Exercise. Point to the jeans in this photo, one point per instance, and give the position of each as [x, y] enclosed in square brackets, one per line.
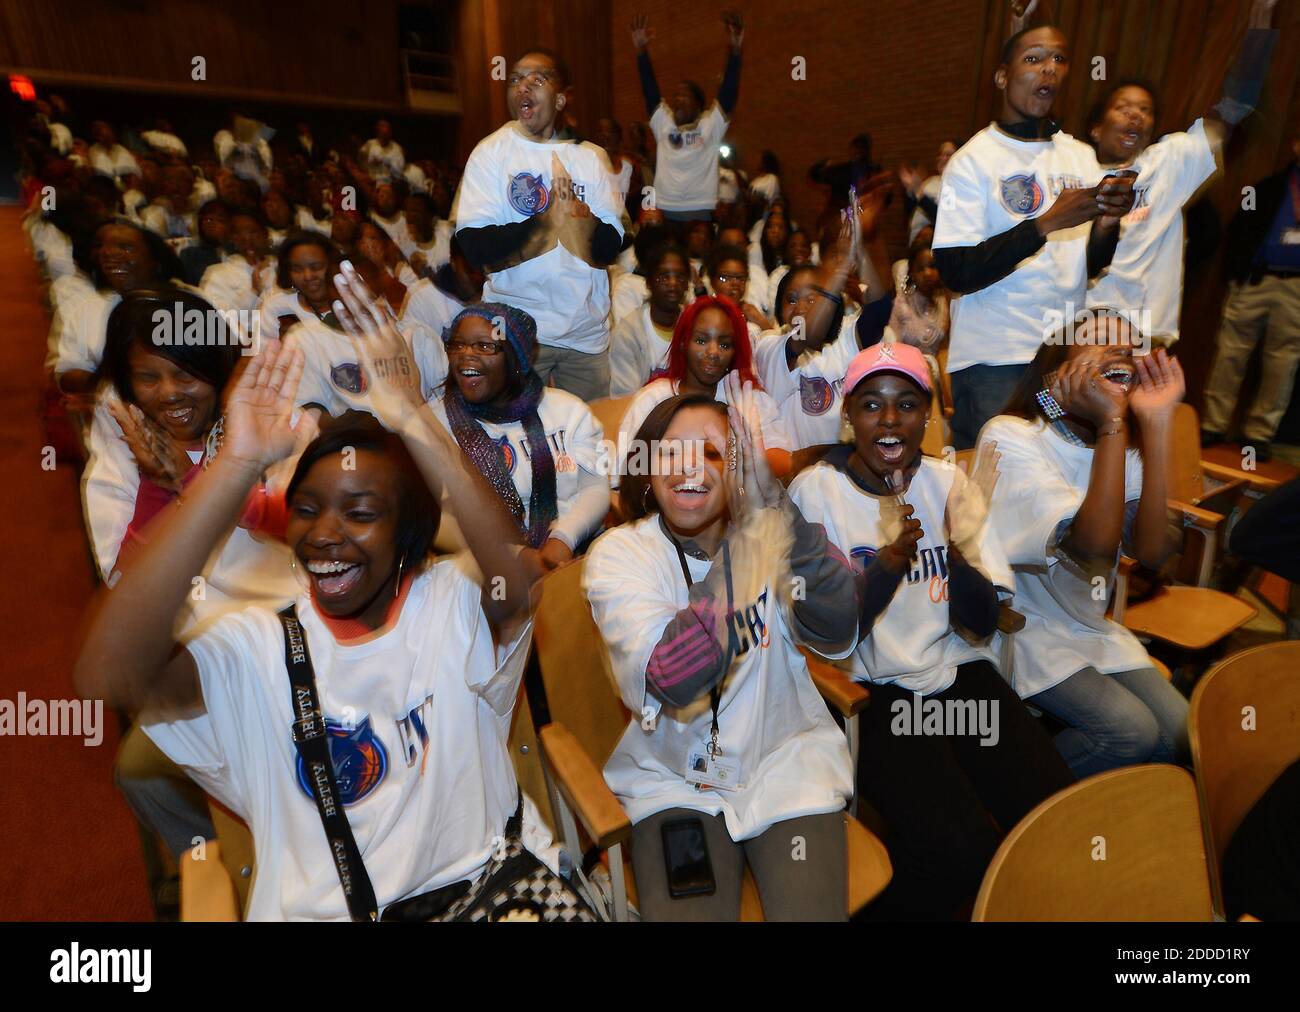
[1123, 719]
[978, 393]
[584, 375]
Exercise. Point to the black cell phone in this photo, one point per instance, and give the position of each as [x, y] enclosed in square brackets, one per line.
[686, 859]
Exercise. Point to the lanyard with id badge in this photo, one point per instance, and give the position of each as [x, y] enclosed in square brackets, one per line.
[705, 765]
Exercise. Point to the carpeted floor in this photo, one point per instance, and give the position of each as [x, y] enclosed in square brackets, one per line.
[71, 849]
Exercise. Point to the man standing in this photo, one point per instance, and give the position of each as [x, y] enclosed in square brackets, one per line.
[1146, 273]
[1013, 237]
[687, 134]
[1263, 265]
[541, 217]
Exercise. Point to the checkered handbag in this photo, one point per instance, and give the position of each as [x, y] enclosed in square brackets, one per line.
[516, 886]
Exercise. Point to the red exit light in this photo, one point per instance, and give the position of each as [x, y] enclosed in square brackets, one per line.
[22, 87]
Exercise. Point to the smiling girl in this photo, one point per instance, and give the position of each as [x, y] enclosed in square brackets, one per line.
[710, 341]
[729, 734]
[930, 574]
[413, 666]
[1075, 490]
[538, 446]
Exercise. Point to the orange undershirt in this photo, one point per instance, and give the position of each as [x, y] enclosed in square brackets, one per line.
[350, 631]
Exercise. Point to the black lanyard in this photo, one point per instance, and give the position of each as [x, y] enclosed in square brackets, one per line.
[715, 693]
[312, 741]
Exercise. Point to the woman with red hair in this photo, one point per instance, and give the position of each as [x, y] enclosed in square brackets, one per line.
[710, 341]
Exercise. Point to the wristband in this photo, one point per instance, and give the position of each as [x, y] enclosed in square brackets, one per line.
[837, 299]
[1116, 427]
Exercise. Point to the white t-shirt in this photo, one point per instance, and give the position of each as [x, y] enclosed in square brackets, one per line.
[437, 251]
[993, 183]
[811, 396]
[623, 179]
[686, 163]
[79, 331]
[1044, 479]
[630, 293]
[382, 162]
[792, 759]
[167, 143]
[635, 351]
[308, 222]
[912, 642]
[1147, 270]
[767, 186]
[574, 435]
[418, 720]
[429, 305]
[116, 161]
[775, 434]
[274, 303]
[229, 284]
[395, 226]
[507, 179]
[333, 378]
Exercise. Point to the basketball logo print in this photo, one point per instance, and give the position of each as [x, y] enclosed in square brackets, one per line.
[359, 759]
[349, 377]
[816, 395]
[507, 453]
[528, 195]
[1021, 194]
[861, 557]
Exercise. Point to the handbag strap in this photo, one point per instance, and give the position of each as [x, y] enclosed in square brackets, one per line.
[312, 741]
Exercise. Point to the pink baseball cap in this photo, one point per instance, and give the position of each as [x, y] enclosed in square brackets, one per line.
[892, 356]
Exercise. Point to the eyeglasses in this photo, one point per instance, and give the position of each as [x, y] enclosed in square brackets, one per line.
[724, 279]
[485, 348]
[536, 78]
[664, 276]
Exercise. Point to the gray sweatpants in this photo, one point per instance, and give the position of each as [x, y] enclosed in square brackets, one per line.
[800, 865]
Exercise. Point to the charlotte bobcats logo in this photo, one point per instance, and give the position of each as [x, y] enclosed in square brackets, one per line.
[359, 759]
[528, 195]
[816, 395]
[861, 556]
[349, 377]
[1021, 194]
[507, 453]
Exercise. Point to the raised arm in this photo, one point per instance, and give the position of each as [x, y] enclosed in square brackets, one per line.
[729, 90]
[1161, 387]
[1245, 78]
[395, 396]
[127, 654]
[642, 33]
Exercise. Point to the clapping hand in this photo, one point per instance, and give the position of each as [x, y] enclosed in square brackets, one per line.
[156, 454]
[1160, 387]
[385, 357]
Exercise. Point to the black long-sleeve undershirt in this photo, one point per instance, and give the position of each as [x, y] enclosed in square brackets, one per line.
[491, 245]
[728, 91]
[966, 269]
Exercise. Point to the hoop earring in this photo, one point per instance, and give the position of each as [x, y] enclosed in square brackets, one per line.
[644, 494]
[397, 587]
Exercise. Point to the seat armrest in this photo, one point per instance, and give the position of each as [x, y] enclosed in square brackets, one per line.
[1194, 516]
[207, 893]
[842, 692]
[584, 787]
[1220, 472]
[1009, 620]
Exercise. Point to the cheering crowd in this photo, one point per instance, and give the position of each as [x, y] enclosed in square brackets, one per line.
[324, 513]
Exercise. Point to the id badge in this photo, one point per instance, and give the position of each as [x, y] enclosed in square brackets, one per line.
[1291, 237]
[706, 771]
